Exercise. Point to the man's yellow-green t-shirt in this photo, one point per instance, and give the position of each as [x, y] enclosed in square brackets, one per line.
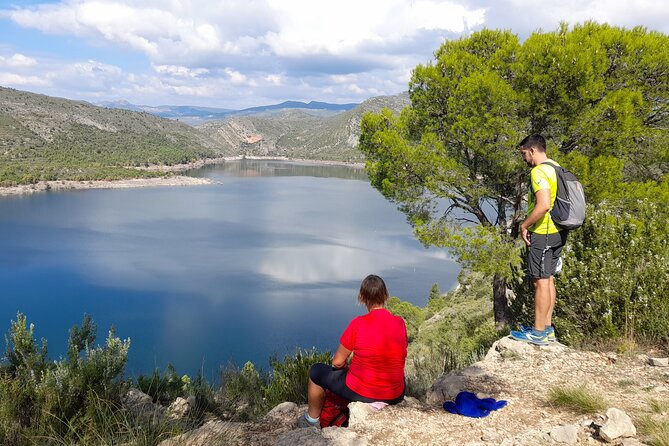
[542, 176]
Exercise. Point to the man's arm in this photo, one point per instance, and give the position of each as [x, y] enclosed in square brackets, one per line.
[340, 357]
[543, 197]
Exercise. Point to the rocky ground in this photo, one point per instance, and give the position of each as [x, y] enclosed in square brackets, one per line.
[518, 373]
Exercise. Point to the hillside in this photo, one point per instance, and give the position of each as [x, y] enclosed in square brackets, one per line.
[44, 138]
[47, 138]
[297, 134]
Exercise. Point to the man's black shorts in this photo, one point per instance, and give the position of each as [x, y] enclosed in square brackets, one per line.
[334, 380]
[543, 255]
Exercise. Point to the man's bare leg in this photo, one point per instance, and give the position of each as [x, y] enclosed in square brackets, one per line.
[549, 315]
[542, 302]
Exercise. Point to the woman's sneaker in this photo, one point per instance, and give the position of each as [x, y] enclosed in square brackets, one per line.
[531, 336]
[550, 332]
[303, 422]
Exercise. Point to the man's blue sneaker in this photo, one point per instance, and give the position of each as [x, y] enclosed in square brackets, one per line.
[550, 331]
[531, 336]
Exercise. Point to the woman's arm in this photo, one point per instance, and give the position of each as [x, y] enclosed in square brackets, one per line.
[340, 357]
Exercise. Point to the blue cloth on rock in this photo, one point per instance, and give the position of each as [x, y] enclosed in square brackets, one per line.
[469, 405]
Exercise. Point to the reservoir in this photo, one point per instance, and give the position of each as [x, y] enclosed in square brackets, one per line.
[267, 259]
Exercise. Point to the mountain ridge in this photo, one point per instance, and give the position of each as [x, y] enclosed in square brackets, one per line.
[196, 114]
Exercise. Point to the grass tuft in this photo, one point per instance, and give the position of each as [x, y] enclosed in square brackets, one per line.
[659, 406]
[577, 399]
[656, 430]
[627, 383]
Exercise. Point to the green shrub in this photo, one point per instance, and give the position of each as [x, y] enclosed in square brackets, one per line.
[413, 316]
[613, 283]
[242, 391]
[164, 388]
[59, 399]
[288, 377]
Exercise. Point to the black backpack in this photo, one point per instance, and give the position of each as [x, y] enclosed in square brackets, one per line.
[569, 208]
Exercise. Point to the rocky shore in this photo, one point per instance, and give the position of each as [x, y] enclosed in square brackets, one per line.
[168, 180]
[43, 186]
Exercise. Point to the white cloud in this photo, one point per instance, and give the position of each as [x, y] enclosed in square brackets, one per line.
[274, 79]
[20, 80]
[180, 71]
[235, 53]
[17, 61]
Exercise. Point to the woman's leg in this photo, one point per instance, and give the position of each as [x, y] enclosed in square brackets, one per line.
[316, 398]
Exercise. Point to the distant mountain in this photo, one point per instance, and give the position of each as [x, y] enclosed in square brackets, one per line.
[197, 115]
[296, 134]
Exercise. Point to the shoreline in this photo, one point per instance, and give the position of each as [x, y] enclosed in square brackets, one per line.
[62, 185]
[224, 159]
[170, 180]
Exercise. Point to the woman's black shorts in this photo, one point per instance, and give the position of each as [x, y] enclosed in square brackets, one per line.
[334, 380]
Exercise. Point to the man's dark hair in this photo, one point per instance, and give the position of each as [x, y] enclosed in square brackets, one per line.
[373, 291]
[536, 141]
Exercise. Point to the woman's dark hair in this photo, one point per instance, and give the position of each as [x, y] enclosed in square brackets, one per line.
[373, 291]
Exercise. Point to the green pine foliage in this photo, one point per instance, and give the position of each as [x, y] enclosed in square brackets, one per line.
[450, 161]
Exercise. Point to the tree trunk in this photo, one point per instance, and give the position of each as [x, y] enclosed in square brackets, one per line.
[500, 304]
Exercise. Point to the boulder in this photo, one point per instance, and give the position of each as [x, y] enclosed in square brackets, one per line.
[211, 433]
[659, 362]
[567, 433]
[306, 436]
[338, 436]
[618, 424]
[446, 388]
[141, 405]
[180, 407]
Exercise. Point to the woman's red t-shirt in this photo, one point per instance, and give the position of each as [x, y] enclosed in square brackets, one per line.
[378, 341]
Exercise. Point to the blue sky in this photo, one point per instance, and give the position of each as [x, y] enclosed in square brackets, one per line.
[237, 54]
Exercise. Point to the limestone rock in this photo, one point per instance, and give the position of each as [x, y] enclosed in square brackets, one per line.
[632, 442]
[659, 362]
[282, 408]
[284, 414]
[359, 412]
[211, 433]
[338, 436]
[446, 388]
[307, 436]
[491, 436]
[567, 433]
[141, 405]
[180, 408]
[618, 424]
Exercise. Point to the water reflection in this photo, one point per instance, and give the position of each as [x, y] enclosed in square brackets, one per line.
[199, 275]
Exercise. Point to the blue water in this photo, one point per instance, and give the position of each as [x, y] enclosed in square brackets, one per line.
[268, 259]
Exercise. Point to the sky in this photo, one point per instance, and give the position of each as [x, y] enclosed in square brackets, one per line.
[236, 54]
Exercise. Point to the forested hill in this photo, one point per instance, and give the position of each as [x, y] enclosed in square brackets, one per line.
[294, 133]
[47, 138]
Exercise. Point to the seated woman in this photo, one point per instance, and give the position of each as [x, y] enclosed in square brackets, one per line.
[378, 342]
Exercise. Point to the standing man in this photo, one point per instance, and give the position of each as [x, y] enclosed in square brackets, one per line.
[543, 238]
